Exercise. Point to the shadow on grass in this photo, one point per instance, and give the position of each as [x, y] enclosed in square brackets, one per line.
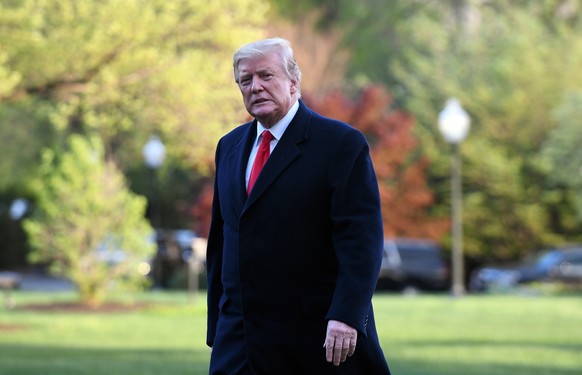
[507, 344]
[55, 360]
[33, 360]
[429, 367]
[472, 363]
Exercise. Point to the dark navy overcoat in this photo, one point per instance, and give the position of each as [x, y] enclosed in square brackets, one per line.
[303, 248]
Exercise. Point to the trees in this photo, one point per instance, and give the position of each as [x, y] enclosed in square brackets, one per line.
[124, 69]
[562, 150]
[120, 70]
[87, 225]
[510, 63]
[507, 62]
[111, 65]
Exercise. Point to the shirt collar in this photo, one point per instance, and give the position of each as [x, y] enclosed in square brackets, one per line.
[279, 128]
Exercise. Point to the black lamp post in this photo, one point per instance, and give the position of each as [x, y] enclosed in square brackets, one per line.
[454, 125]
[154, 153]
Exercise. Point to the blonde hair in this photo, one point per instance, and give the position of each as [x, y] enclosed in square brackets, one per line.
[265, 46]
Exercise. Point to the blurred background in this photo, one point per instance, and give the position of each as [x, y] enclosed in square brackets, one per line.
[110, 112]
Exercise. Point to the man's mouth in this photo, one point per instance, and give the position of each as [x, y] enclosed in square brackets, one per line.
[260, 101]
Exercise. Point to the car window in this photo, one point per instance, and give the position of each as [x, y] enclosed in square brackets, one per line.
[549, 259]
[415, 254]
[391, 254]
[573, 257]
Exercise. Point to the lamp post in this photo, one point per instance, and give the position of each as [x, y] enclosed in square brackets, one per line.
[154, 153]
[454, 125]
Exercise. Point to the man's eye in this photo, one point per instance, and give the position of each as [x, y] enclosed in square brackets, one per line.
[245, 82]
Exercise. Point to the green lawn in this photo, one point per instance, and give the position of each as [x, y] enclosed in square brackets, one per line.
[436, 335]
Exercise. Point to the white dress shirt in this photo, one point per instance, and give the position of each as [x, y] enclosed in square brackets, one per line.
[277, 130]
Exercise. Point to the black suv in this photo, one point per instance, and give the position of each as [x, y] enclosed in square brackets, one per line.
[412, 265]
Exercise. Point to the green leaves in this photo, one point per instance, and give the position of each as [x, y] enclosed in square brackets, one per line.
[119, 70]
[562, 151]
[85, 210]
[128, 68]
[510, 63]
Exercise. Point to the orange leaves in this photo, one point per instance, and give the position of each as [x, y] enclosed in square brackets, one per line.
[398, 161]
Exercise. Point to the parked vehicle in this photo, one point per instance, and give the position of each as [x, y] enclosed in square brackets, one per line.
[413, 265]
[555, 265]
[167, 266]
[170, 264]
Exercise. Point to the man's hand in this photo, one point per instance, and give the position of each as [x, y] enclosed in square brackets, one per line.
[340, 342]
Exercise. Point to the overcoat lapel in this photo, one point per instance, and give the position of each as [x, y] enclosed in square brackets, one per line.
[237, 160]
[286, 151]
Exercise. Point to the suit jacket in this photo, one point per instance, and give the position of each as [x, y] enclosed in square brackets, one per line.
[305, 246]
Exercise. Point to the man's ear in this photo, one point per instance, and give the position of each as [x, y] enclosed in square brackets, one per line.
[293, 88]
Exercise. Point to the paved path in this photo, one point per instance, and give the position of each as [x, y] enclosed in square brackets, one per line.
[34, 281]
[41, 283]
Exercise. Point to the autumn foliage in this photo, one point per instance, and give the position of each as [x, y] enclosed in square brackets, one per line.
[202, 210]
[406, 197]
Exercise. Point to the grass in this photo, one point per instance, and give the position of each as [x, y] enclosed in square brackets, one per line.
[436, 335]
[481, 335]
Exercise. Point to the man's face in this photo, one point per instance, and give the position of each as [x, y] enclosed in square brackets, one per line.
[268, 93]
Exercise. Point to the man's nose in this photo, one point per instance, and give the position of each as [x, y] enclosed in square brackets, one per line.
[256, 85]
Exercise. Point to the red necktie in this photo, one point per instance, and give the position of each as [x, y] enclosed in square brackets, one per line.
[261, 158]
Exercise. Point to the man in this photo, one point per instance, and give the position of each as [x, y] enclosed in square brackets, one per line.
[293, 254]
